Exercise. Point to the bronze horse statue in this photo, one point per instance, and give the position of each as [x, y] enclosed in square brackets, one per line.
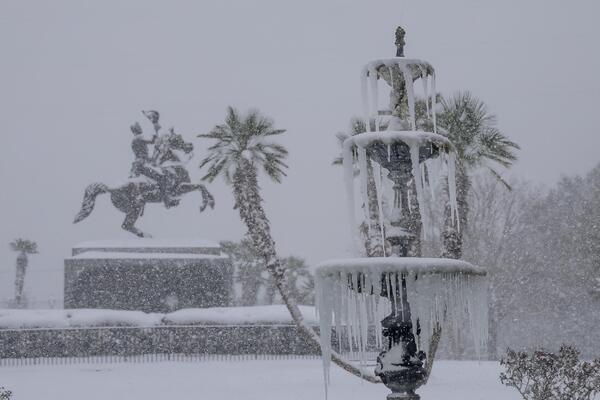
[132, 196]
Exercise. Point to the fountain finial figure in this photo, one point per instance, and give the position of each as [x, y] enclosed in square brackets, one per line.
[400, 41]
[160, 178]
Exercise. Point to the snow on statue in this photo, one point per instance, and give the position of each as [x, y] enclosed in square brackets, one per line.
[161, 177]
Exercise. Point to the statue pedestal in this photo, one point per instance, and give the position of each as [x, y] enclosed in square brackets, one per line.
[403, 396]
[150, 275]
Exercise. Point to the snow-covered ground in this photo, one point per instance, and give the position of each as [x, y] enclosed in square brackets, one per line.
[248, 380]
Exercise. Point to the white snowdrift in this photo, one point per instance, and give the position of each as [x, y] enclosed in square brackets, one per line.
[82, 318]
[148, 243]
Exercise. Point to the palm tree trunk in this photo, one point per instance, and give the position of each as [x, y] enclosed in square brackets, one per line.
[249, 203]
[20, 279]
[433, 346]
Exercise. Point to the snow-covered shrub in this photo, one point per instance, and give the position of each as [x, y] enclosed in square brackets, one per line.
[4, 393]
[543, 375]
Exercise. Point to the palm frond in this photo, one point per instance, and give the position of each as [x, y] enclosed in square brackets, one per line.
[215, 170]
[232, 119]
[466, 121]
[24, 246]
[241, 140]
[500, 178]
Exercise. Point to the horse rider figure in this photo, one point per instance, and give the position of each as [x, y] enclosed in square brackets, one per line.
[145, 165]
[162, 147]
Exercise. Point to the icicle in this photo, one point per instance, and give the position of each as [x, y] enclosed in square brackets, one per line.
[364, 324]
[428, 189]
[393, 86]
[452, 188]
[379, 188]
[364, 184]
[431, 178]
[425, 81]
[411, 295]
[365, 98]
[344, 307]
[442, 292]
[393, 298]
[416, 170]
[374, 96]
[348, 163]
[337, 309]
[433, 102]
[408, 84]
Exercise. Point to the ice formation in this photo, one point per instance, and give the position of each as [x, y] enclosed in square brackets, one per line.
[353, 296]
[439, 291]
[425, 173]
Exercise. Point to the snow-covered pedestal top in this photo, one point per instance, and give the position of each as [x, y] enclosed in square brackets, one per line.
[116, 255]
[150, 245]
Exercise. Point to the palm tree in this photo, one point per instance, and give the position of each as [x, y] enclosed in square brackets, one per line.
[243, 145]
[24, 247]
[466, 121]
[248, 266]
[299, 279]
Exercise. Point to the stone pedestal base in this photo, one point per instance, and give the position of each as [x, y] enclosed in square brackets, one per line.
[149, 275]
[403, 396]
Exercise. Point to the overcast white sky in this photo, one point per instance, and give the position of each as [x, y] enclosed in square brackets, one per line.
[75, 74]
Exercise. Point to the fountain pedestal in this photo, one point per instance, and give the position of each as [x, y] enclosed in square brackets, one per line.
[401, 366]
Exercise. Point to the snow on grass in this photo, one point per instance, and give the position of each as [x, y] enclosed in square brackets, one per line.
[248, 380]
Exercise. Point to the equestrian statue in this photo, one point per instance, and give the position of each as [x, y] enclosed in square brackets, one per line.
[159, 176]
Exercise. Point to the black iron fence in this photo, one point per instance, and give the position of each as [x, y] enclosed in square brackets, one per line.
[135, 341]
[59, 346]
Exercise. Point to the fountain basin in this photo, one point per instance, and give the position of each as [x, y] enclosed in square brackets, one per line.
[401, 265]
[359, 294]
[419, 68]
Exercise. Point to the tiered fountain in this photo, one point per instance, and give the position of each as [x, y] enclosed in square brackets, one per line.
[403, 296]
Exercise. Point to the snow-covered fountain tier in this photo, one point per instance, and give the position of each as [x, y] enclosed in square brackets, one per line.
[407, 299]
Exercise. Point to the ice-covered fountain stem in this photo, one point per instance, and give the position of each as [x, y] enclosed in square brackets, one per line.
[400, 367]
[402, 235]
